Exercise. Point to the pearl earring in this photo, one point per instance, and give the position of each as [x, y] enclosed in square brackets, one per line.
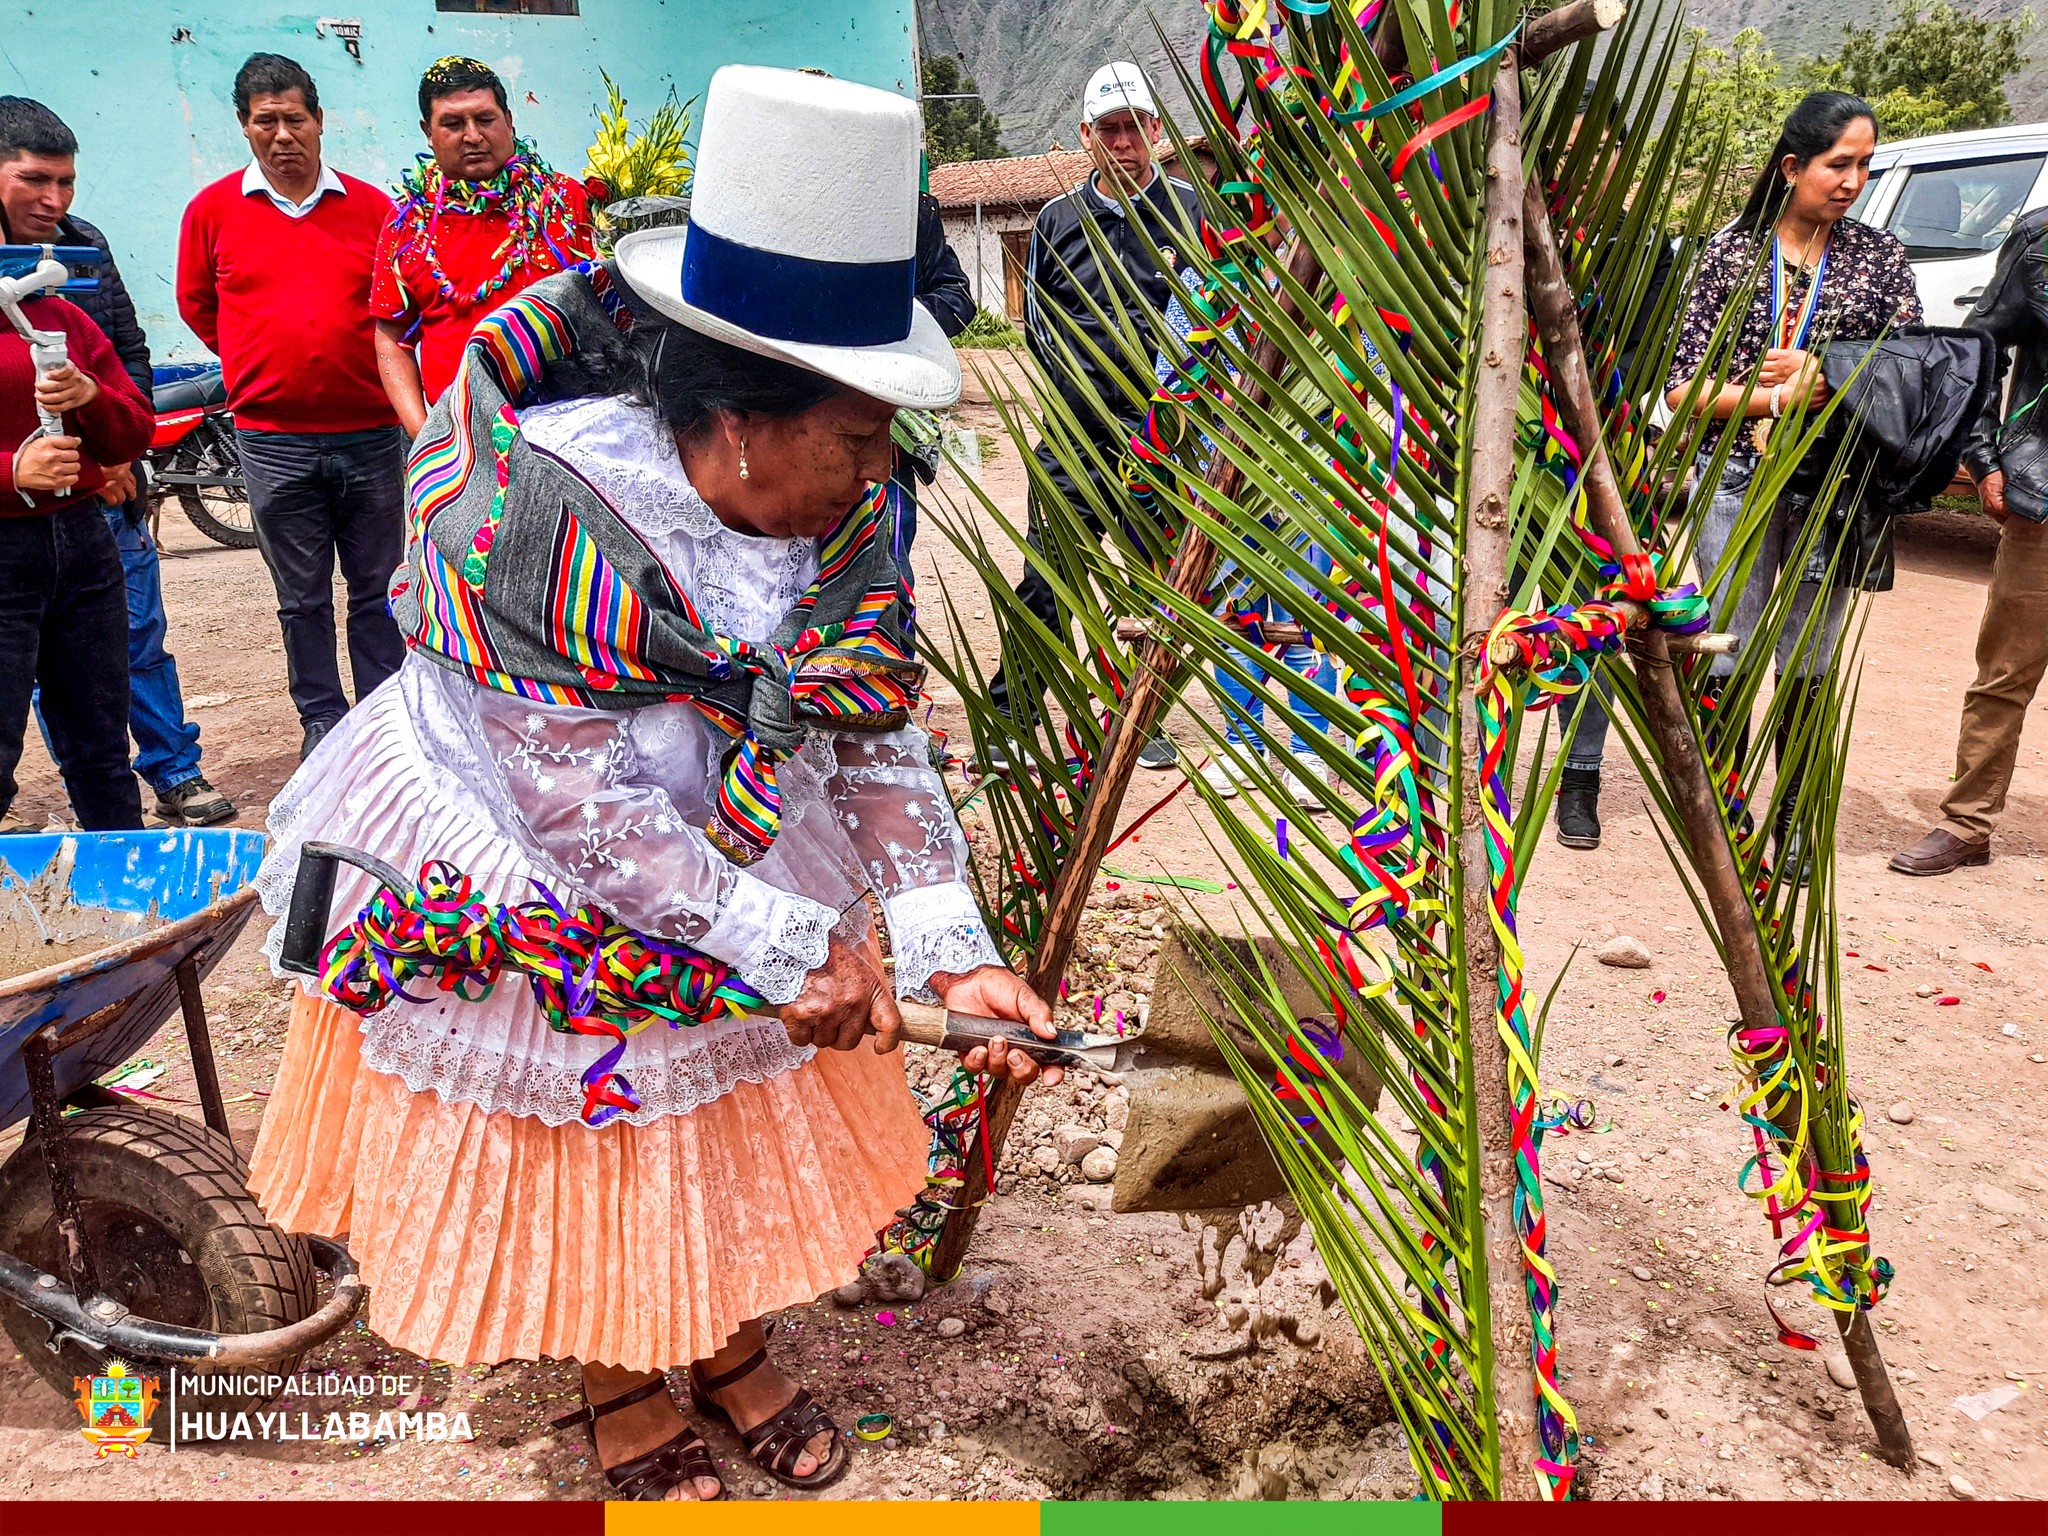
[743, 458]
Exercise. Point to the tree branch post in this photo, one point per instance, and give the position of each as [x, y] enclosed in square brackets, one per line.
[1483, 593]
[1677, 749]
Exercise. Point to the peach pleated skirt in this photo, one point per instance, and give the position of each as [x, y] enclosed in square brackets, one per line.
[488, 1237]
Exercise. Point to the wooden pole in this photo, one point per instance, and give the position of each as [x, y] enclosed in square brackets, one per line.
[1677, 749]
[1483, 592]
[1544, 35]
[1150, 690]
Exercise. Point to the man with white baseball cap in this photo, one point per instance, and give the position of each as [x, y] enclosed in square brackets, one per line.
[1125, 209]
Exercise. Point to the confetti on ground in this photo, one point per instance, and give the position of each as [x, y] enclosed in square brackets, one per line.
[139, 1075]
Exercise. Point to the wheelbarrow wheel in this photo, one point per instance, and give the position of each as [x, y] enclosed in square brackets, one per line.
[175, 1237]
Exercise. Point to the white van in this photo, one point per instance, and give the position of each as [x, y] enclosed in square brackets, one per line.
[1951, 199]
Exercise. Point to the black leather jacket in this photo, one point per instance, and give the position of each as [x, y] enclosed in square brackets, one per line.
[1064, 286]
[109, 304]
[941, 283]
[1909, 402]
[2014, 310]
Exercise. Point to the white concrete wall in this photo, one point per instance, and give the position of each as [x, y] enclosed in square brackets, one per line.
[984, 261]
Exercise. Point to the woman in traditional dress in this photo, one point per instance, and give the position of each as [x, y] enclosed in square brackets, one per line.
[1802, 273]
[658, 667]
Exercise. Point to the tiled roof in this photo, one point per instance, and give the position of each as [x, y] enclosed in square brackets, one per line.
[1028, 181]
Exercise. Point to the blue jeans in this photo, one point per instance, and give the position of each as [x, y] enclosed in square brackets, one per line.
[1585, 717]
[1249, 708]
[166, 743]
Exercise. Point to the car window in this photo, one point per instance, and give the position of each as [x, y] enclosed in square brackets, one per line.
[1863, 198]
[1948, 211]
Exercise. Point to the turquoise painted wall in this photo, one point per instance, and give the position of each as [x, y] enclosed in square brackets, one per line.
[147, 87]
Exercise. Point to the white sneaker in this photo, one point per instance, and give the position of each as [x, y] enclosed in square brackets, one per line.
[1297, 788]
[1227, 771]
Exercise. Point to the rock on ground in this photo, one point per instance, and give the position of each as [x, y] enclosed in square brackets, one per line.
[1626, 951]
[1074, 1141]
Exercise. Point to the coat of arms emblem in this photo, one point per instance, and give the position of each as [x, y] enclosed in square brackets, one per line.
[116, 1408]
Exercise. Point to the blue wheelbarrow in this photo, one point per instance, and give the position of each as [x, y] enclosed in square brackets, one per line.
[127, 1231]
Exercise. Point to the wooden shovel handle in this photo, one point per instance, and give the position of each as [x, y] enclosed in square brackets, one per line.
[924, 1024]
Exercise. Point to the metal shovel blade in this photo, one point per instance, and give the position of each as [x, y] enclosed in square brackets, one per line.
[1191, 1142]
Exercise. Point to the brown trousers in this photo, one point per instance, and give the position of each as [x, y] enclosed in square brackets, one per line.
[2012, 655]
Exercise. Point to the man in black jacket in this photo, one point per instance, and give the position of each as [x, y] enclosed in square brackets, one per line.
[37, 180]
[2008, 458]
[942, 288]
[1127, 208]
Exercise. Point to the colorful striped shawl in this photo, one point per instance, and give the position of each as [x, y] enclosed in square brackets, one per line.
[522, 577]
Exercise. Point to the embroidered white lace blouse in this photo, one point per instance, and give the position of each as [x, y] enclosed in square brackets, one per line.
[609, 806]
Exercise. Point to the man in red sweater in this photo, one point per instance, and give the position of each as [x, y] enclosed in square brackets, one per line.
[478, 219]
[274, 276]
[63, 594]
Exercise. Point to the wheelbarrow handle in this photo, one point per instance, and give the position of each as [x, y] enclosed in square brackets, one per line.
[305, 923]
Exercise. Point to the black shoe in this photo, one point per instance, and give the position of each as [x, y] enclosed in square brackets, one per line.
[1788, 847]
[1793, 858]
[316, 733]
[1009, 751]
[193, 803]
[1159, 752]
[1578, 808]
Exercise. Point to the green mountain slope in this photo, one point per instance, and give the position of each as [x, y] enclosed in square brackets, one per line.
[1814, 26]
[1031, 57]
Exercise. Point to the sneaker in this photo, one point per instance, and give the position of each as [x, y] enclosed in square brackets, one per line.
[1228, 770]
[193, 803]
[1159, 752]
[1578, 808]
[1300, 786]
[315, 734]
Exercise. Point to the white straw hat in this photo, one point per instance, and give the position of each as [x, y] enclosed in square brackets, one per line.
[802, 240]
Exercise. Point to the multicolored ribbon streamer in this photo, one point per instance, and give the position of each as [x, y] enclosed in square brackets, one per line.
[589, 975]
[958, 1125]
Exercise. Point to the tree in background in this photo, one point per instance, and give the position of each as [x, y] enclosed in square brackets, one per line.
[1934, 73]
[957, 130]
[1937, 71]
[1742, 94]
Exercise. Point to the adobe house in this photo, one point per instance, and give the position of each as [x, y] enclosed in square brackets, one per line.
[989, 206]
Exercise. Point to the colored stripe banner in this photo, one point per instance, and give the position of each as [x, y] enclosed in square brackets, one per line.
[1089, 1518]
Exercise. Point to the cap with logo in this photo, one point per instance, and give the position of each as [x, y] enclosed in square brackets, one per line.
[1117, 88]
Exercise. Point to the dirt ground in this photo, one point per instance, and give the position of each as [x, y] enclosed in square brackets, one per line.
[1095, 1356]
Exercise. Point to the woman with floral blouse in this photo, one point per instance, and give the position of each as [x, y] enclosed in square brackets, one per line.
[1805, 274]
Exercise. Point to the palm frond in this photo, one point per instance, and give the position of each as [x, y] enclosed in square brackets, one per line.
[1352, 454]
[1338, 406]
[1781, 781]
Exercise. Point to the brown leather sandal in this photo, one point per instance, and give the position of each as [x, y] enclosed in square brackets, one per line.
[775, 1444]
[660, 1471]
